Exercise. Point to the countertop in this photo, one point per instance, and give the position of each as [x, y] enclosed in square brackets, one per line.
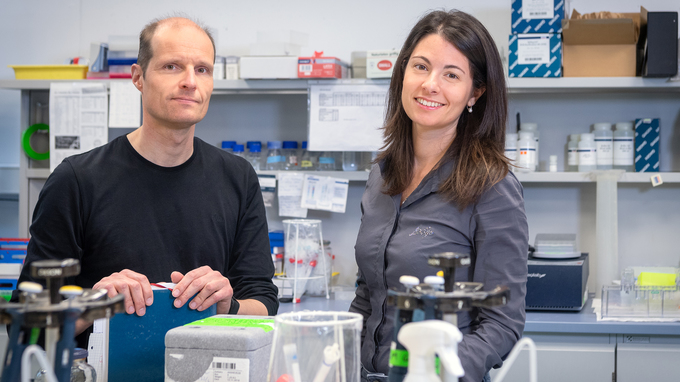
[584, 321]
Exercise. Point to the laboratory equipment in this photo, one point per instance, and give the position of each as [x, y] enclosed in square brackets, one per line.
[425, 338]
[350, 160]
[572, 152]
[425, 302]
[318, 285]
[303, 247]
[511, 149]
[553, 163]
[307, 162]
[47, 310]
[254, 155]
[326, 161]
[275, 158]
[644, 293]
[222, 347]
[587, 151]
[532, 127]
[81, 371]
[228, 146]
[604, 145]
[557, 284]
[314, 346]
[526, 152]
[623, 146]
[238, 151]
[289, 153]
[556, 246]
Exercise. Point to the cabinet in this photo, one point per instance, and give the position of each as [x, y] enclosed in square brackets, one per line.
[555, 202]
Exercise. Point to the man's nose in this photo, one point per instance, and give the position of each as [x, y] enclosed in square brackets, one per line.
[188, 79]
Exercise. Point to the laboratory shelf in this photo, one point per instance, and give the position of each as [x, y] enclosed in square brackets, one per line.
[349, 175]
[37, 173]
[9, 196]
[587, 177]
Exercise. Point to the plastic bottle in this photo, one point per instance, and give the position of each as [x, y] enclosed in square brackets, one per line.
[290, 155]
[254, 155]
[553, 163]
[572, 152]
[326, 161]
[604, 144]
[511, 148]
[624, 149]
[274, 157]
[425, 338]
[533, 127]
[350, 161]
[81, 371]
[526, 150]
[238, 151]
[306, 159]
[587, 153]
[228, 146]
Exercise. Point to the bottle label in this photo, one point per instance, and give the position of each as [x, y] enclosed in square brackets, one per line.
[605, 156]
[511, 154]
[623, 151]
[275, 159]
[572, 157]
[587, 157]
[306, 164]
[527, 158]
[326, 160]
[292, 160]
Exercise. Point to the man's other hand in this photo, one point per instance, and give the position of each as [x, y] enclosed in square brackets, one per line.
[134, 286]
[211, 286]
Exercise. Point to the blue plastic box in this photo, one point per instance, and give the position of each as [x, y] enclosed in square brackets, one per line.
[537, 16]
[647, 144]
[535, 55]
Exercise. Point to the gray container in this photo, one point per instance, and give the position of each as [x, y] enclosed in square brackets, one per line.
[237, 345]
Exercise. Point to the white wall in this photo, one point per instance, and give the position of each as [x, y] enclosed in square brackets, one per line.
[48, 32]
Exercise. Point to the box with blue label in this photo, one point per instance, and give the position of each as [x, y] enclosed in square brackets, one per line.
[537, 16]
[535, 55]
[647, 144]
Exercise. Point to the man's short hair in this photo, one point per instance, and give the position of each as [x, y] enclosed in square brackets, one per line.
[145, 37]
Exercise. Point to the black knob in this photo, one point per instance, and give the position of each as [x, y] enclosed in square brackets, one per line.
[54, 272]
[448, 262]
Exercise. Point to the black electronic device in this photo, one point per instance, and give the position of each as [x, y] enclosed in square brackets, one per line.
[557, 284]
[661, 48]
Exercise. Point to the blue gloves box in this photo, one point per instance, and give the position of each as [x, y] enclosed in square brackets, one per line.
[535, 55]
[537, 16]
[647, 145]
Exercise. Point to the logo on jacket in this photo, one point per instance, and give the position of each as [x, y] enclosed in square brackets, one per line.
[424, 232]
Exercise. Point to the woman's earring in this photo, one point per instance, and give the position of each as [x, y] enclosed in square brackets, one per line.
[470, 109]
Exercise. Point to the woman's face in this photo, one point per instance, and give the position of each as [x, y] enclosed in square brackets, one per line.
[437, 85]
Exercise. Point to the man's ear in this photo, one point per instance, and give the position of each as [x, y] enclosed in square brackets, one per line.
[137, 77]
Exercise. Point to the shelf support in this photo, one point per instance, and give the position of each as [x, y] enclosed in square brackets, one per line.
[605, 263]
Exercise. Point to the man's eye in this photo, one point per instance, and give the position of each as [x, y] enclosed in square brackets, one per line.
[170, 66]
[202, 70]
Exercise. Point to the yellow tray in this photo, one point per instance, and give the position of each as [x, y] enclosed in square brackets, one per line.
[49, 72]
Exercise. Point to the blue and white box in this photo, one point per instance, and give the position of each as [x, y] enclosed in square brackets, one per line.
[537, 16]
[647, 144]
[535, 55]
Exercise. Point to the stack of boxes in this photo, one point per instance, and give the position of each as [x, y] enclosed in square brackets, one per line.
[12, 255]
[123, 51]
[535, 45]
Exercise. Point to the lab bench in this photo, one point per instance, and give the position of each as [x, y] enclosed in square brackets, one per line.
[574, 346]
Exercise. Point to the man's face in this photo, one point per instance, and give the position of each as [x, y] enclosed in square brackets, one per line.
[178, 82]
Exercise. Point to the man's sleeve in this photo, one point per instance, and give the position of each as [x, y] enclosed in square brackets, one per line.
[250, 265]
[501, 240]
[57, 228]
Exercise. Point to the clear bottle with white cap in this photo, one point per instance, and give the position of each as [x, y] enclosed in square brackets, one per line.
[604, 145]
[587, 153]
[526, 152]
[624, 149]
[511, 148]
[532, 127]
[572, 152]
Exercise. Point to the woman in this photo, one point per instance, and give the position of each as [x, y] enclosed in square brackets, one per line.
[442, 184]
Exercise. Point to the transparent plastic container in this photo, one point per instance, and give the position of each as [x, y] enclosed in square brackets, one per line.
[275, 159]
[532, 127]
[624, 147]
[303, 249]
[307, 160]
[556, 246]
[324, 269]
[587, 153]
[228, 146]
[572, 152]
[254, 156]
[290, 154]
[239, 151]
[630, 300]
[511, 148]
[326, 161]
[526, 150]
[604, 145]
[350, 161]
[81, 371]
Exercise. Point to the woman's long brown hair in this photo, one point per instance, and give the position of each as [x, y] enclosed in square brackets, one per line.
[479, 146]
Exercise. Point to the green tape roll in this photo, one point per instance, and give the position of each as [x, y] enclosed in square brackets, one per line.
[26, 142]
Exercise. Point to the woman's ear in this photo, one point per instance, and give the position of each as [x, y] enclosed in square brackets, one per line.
[475, 95]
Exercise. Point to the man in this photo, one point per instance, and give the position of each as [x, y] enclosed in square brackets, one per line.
[159, 203]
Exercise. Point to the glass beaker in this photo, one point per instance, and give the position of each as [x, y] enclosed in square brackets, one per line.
[316, 347]
[303, 247]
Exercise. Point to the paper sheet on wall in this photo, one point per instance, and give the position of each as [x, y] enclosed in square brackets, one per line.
[346, 117]
[290, 195]
[268, 187]
[325, 193]
[125, 105]
[78, 119]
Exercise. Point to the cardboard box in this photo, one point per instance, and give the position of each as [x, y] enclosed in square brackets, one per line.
[321, 67]
[380, 63]
[537, 16]
[535, 55]
[268, 67]
[601, 47]
[647, 132]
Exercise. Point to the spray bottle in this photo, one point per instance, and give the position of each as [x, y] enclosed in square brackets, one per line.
[425, 338]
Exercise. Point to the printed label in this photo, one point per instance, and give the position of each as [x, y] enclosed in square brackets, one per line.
[227, 370]
[527, 158]
[537, 9]
[623, 151]
[587, 157]
[511, 154]
[572, 157]
[531, 51]
[306, 164]
[275, 159]
[605, 156]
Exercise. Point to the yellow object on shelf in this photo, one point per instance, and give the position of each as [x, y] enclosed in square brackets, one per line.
[656, 279]
[49, 72]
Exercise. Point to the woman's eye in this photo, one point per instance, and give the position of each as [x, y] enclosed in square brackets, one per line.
[452, 76]
[420, 67]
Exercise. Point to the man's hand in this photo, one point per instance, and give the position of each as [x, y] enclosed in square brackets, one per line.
[134, 286]
[211, 286]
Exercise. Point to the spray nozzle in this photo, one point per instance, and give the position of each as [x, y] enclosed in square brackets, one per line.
[425, 338]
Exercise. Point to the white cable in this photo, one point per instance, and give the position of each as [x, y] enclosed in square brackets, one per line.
[513, 356]
[39, 354]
